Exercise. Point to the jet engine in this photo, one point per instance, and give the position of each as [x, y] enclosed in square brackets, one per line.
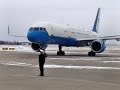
[37, 47]
[98, 46]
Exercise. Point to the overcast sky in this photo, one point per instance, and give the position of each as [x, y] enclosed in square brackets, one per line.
[20, 14]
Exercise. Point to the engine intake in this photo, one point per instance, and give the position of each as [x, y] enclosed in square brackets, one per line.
[37, 47]
[98, 46]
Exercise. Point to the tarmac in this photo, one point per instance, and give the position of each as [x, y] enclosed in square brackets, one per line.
[74, 71]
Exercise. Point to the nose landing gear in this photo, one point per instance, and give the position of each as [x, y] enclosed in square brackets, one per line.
[60, 52]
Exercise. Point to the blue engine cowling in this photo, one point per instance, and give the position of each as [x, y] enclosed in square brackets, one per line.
[98, 46]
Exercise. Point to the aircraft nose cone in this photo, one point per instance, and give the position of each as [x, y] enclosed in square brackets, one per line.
[31, 37]
[37, 37]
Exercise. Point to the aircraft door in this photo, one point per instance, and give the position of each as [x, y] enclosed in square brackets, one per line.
[52, 31]
[67, 32]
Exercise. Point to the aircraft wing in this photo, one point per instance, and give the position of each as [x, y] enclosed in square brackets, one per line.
[87, 41]
[116, 37]
[14, 35]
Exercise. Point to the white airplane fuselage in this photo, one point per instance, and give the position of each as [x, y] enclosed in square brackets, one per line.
[57, 34]
[43, 33]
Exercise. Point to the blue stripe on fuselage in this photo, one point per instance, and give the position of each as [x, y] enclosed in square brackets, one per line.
[63, 41]
[41, 37]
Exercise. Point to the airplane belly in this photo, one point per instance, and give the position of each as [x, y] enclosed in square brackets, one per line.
[63, 41]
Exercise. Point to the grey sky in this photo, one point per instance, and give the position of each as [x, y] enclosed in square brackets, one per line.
[20, 14]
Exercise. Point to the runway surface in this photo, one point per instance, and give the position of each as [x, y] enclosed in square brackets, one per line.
[75, 71]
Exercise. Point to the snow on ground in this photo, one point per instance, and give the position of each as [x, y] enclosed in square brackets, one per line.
[60, 66]
[26, 48]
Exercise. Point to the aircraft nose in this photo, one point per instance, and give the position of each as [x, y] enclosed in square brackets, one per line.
[37, 37]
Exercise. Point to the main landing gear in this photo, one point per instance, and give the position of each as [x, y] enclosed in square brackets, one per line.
[91, 53]
[60, 52]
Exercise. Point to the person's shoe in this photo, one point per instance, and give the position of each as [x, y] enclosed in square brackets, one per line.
[41, 75]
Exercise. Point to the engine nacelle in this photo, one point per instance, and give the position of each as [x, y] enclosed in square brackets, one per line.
[98, 46]
[37, 47]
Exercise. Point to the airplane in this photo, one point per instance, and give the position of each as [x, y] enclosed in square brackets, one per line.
[43, 33]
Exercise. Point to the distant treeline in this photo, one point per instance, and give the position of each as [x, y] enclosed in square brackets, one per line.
[13, 43]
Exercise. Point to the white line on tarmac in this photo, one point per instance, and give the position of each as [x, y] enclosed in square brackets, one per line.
[91, 59]
[110, 61]
[61, 66]
[108, 53]
[79, 67]
[16, 64]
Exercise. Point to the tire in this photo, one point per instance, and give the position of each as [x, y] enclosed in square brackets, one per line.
[91, 54]
[58, 53]
[62, 53]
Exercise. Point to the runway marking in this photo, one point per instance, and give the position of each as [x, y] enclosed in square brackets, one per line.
[79, 67]
[87, 59]
[110, 61]
[16, 64]
[108, 53]
[60, 66]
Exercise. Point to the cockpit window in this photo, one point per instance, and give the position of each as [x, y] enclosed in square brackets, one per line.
[31, 29]
[36, 29]
[42, 29]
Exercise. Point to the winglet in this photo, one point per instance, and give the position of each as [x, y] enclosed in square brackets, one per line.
[96, 23]
[9, 34]
[8, 30]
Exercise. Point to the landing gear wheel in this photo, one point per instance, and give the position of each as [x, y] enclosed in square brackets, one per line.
[58, 53]
[61, 53]
[91, 53]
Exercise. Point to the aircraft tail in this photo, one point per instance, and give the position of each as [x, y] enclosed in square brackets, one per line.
[96, 23]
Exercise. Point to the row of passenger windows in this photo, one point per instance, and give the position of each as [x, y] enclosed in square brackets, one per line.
[37, 29]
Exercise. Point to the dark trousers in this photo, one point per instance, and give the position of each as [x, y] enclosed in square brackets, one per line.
[41, 63]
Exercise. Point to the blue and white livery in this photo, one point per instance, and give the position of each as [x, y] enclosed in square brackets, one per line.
[43, 33]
